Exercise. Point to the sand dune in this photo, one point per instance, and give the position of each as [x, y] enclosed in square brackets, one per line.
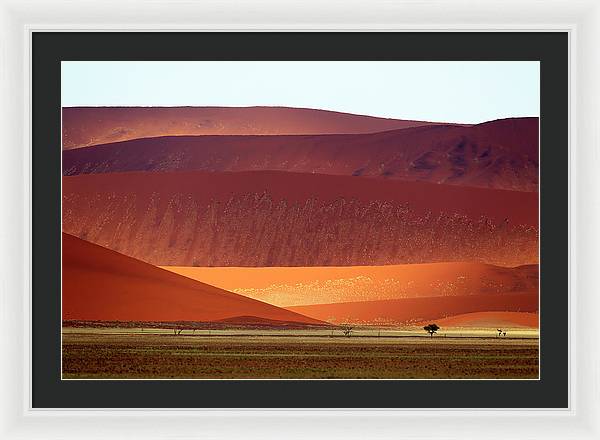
[103, 285]
[499, 154]
[500, 320]
[417, 310]
[83, 126]
[293, 286]
[255, 219]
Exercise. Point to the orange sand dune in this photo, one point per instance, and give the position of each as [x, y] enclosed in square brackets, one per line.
[501, 320]
[103, 285]
[294, 286]
[416, 310]
[83, 126]
[270, 218]
[500, 154]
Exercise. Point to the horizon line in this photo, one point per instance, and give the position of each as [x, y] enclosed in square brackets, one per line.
[299, 108]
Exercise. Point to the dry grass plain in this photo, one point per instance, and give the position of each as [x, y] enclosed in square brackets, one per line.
[317, 354]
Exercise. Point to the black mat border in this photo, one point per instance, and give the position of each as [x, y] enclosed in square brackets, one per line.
[49, 48]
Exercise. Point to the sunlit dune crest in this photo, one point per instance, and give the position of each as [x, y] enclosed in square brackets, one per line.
[293, 286]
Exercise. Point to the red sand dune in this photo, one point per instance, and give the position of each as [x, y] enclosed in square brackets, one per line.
[498, 154]
[289, 219]
[294, 286]
[103, 285]
[501, 320]
[83, 126]
[416, 310]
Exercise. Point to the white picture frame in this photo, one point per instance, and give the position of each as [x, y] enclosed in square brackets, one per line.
[18, 19]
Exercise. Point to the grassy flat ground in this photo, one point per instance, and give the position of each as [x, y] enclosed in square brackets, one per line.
[119, 353]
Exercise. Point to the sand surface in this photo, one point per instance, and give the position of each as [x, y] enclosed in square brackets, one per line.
[499, 154]
[83, 126]
[292, 286]
[417, 310]
[100, 284]
[270, 218]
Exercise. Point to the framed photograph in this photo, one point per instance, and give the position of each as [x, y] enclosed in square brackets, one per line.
[239, 240]
[287, 229]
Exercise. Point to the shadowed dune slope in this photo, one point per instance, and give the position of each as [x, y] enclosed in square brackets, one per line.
[416, 310]
[83, 126]
[499, 154]
[103, 285]
[292, 286]
[269, 218]
[500, 320]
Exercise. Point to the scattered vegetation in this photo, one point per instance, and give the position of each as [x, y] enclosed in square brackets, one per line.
[431, 329]
[347, 329]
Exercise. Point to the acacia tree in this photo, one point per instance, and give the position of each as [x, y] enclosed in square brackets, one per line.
[347, 329]
[431, 329]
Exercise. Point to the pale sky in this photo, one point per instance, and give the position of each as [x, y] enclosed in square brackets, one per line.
[444, 91]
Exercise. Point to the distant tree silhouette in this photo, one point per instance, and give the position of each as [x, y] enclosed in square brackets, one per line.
[347, 329]
[499, 331]
[431, 329]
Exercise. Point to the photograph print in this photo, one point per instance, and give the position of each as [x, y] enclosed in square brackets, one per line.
[300, 220]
